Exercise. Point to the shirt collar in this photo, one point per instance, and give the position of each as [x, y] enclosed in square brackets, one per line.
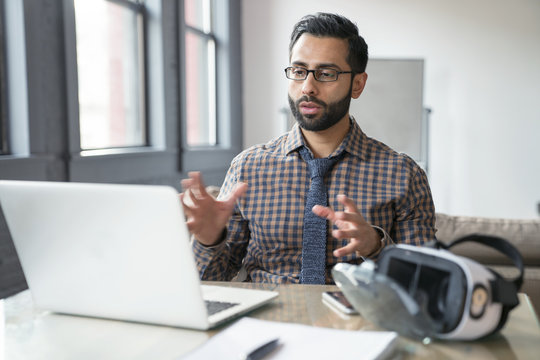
[295, 139]
[354, 143]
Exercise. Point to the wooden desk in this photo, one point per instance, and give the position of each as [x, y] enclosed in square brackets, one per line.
[28, 333]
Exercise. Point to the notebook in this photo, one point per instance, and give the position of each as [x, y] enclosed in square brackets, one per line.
[296, 341]
[114, 251]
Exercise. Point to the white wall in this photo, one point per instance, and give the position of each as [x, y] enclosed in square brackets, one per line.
[482, 81]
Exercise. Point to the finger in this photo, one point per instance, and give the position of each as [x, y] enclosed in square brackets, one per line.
[198, 186]
[193, 174]
[192, 190]
[348, 249]
[187, 203]
[191, 199]
[186, 183]
[350, 208]
[349, 204]
[239, 190]
[324, 212]
[345, 233]
[191, 225]
[341, 216]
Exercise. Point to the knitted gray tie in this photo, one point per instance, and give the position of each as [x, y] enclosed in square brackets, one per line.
[315, 228]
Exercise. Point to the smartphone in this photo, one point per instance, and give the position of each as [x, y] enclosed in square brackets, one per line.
[337, 300]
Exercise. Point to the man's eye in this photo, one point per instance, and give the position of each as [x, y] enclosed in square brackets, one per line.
[299, 72]
[327, 74]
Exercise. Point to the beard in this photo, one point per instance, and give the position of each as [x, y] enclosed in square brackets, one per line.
[331, 115]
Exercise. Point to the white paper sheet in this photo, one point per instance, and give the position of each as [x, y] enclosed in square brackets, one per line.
[296, 342]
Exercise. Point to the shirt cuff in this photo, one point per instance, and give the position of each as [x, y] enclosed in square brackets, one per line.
[385, 241]
[216, 247]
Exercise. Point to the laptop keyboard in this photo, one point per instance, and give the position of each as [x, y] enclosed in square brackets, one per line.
[217, 306]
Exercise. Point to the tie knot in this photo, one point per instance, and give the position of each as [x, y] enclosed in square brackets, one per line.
[317, 167]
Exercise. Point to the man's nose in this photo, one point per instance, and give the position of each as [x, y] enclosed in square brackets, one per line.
[309, 87]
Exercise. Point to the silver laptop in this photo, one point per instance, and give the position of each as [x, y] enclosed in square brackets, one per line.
[114, 251]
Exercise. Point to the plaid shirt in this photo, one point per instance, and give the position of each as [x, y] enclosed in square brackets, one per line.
[265, 232]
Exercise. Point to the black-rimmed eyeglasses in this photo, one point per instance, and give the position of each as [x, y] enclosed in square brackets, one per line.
[325, 75]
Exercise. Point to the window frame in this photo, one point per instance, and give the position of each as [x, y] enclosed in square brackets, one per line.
[228, 90]
[209, 37]
[115, 164]
[137, 6]
[44, 141]
[167, 145]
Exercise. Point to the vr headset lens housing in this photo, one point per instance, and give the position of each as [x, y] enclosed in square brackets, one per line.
[438, 285]
[382, 301]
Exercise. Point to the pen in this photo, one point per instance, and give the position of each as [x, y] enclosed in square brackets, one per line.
[263, 350]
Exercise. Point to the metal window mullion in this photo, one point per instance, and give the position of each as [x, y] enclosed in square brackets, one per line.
[142, 67]
[201, 33]
[136, 6]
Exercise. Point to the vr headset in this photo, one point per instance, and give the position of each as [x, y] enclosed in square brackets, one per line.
[428, 292]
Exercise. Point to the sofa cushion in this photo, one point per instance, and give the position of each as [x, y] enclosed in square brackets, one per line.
[531, 282]
[523, 234]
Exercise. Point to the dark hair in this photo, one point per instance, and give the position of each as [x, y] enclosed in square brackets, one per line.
[333, 25]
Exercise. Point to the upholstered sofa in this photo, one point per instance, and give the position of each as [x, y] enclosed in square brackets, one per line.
[523, 234]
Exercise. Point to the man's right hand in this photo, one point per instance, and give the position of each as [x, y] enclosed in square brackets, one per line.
[206, 216]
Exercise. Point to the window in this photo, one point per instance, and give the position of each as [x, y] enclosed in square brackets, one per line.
[200, 73]
[210, 81]
[60, 128]
[108, 91]
[110, 68]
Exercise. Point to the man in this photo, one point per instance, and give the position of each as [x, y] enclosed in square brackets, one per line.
[261, 222]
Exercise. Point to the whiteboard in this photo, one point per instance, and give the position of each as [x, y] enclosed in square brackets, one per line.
[391, 107]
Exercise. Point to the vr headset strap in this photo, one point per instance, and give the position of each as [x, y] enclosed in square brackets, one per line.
[500, 245]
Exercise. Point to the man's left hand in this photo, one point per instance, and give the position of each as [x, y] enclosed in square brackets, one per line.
[364, 240]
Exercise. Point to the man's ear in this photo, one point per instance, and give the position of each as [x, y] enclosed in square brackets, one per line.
[359, 82]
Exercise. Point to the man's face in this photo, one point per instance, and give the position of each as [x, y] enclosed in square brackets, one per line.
[319, 105]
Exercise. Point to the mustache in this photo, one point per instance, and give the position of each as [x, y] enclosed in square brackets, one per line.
[310, 99]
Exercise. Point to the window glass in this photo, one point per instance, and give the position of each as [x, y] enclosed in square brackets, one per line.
[110, 69]
[198, 14]
[200, 74]
[200, 91]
